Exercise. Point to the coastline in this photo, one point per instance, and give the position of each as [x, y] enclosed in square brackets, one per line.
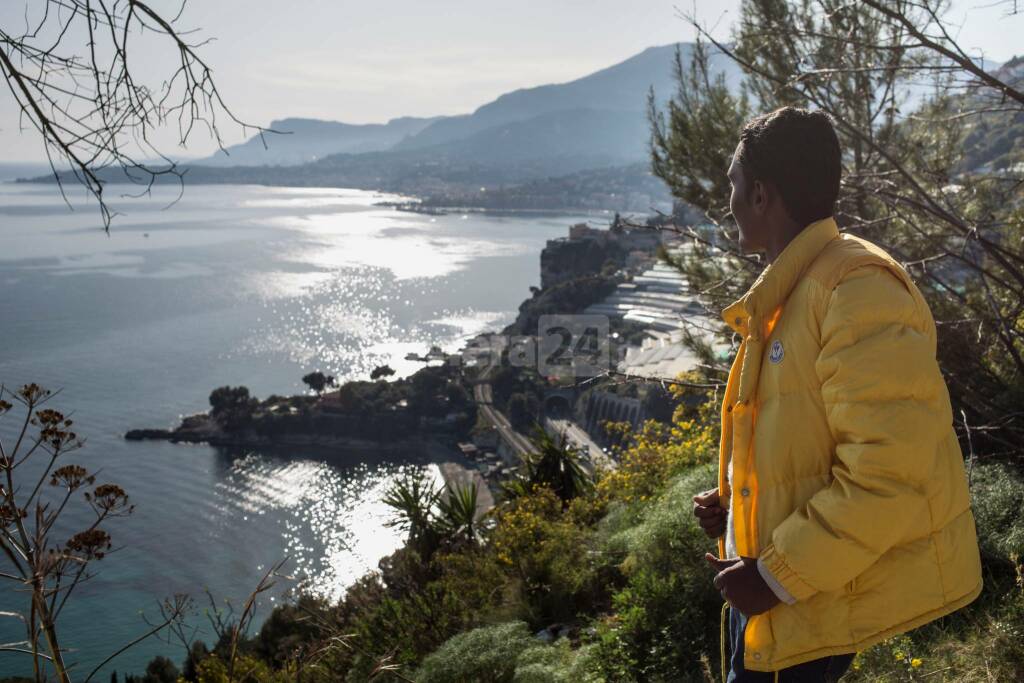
[435, 449]
[213, 483]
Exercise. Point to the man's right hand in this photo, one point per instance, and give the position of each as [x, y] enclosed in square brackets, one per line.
[709, 513]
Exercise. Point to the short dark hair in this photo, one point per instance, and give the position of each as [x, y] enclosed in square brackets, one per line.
[797, 151]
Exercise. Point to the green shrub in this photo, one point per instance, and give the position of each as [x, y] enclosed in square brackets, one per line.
[507, 652]
[418, 607]
[290, 628]
[997, 492]
[215, 670]
[551, 558]
[161, 670]
[483, 655]
[556, 663]
[666, 620]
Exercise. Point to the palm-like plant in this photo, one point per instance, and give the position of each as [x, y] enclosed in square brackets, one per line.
[518, 486]
[458, 508]
[413, 499]
[554, 464]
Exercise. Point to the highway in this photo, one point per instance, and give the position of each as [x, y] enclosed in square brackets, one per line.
[484, 397]
[576, 435]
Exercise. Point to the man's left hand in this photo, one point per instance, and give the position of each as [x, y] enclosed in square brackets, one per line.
[742, 585]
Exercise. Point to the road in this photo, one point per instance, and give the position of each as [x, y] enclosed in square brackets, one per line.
[484, 397]
[577, 436]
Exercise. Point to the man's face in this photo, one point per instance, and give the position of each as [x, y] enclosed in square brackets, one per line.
[747, 205]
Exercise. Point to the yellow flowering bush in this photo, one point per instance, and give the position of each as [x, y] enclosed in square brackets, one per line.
[549, 555]
[246, 669]
[650, 456]
[523, 524]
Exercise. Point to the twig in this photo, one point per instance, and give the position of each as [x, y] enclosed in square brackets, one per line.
[178, 610]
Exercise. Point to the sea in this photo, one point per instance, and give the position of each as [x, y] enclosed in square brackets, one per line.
[229, 285]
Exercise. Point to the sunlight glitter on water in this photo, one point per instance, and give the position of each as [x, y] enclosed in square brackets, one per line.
[313, 197]
[357, 319]
[334, 521]
[471, 323]
[287, 284]
[358, 278]
[413, 249]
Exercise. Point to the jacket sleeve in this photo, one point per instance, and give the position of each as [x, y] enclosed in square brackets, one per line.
[883, 397]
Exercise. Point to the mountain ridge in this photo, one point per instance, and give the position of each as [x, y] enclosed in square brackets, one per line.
[620, 87]
[300, 140]
[598, 121]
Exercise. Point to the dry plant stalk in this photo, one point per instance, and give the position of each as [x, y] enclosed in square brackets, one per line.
[45, 561]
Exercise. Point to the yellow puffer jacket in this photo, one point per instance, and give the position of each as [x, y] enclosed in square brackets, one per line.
[848, 481]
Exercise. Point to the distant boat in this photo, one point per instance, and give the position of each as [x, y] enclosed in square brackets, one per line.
[435, 353]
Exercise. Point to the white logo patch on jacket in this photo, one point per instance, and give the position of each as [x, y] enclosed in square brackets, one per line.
[777, 352]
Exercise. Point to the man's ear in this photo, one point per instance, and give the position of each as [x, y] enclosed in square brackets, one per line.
[759, 197]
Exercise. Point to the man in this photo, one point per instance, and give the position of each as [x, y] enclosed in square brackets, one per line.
[842, 508]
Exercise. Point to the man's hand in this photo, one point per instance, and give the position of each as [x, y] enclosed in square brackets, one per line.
[741, 585]
[709, 512]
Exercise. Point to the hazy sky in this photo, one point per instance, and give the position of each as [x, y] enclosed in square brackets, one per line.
[359, 61]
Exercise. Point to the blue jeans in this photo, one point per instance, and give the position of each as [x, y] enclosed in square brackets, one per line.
[825, 669]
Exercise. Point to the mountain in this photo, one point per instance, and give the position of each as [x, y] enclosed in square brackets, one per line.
[597, 119]
[526, 136]
[551, 144]
[622, 87]
[298, 141]
[596, 137]
[995, 139]
[14, 170]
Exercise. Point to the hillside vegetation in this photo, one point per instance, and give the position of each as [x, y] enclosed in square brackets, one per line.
[605, 583]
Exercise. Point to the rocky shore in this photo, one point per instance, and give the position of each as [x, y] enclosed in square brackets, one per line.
[203, 428]
[422, 417]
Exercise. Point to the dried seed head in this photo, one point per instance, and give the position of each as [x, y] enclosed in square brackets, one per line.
[53, 429]
[48, 416]
[9, 513]
[110, 498]
[71, 476]
[92, 544]
[31, 393]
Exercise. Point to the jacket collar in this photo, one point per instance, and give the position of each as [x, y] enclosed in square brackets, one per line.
[776, 281]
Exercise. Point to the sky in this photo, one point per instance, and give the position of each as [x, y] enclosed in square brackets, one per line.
[367, 62]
